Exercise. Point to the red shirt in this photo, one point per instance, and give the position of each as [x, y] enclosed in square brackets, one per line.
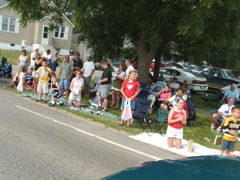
[178, 124]
[130, 88]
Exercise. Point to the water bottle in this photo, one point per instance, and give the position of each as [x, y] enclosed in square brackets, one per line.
[212, 127]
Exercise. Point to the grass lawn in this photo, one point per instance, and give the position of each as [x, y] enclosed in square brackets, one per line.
[199, 130]
[11, 55]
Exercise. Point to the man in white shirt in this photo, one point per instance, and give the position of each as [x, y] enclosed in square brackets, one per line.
[88, 70]
[47, 56]
[129, 66]
[223, 112]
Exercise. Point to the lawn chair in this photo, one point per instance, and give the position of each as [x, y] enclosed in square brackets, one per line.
[191, 112]
[212, 100]
[141, 112]
[160, 121]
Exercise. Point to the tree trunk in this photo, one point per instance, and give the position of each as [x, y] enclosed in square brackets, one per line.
[145, 57]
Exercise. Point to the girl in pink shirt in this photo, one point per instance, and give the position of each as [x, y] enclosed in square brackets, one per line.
[164, 95]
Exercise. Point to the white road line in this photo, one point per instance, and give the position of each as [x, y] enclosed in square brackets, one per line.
[92, 135]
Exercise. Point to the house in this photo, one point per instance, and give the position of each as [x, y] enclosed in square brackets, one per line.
[34, 35]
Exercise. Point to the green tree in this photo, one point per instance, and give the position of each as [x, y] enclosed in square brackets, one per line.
[190, 26]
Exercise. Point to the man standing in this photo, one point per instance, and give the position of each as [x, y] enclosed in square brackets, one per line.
[65, 74]
[231, 93]
[129, 66]
[77, 64]
[88, 70]
[47, 56]
[105, 86]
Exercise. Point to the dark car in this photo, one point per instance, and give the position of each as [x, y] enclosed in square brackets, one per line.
[196, 168]
[218, 78]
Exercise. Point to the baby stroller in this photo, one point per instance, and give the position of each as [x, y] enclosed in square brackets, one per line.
[5, 68]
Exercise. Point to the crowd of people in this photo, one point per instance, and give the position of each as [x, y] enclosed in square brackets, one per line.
[39, 73]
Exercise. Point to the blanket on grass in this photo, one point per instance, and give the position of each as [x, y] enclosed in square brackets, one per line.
[84, 108]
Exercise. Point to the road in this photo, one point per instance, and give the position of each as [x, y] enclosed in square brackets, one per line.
[39, 142]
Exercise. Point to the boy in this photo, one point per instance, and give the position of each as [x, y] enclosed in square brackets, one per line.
[231, 127]
[42, 87]
[56, 91]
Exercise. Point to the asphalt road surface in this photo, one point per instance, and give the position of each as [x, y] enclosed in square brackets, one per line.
[39, 142]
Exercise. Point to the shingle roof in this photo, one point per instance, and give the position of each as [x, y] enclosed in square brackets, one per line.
[3, 3]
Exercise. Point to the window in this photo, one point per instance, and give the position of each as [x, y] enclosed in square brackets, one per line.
[61, 32]
[9, 24]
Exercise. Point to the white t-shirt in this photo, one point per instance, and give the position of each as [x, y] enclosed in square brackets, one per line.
[129, 69]
[47, 56]
[225, 109]
[33, 55]
[88, 66]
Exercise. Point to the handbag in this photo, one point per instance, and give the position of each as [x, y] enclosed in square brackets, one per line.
[127, 111]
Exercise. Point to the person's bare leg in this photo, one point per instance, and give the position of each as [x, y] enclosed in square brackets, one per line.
[39, 96]
[44, 97]
[67, 92]
[113, 97]
[99, 100]
[118, 98]
[170, 142]
[105, 101]
[221, 152]
[178, 143]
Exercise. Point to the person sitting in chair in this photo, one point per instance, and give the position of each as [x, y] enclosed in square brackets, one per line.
[231, 92]
[164, 95]
[223, 112]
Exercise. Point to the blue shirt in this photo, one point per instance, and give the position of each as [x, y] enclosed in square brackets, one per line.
[233, 94]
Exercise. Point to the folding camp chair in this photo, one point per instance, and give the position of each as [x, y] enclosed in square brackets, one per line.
[159, 121]
[191, 112]
[212, 100]
[141, 112]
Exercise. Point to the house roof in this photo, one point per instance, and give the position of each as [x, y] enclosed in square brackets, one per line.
[3, 3]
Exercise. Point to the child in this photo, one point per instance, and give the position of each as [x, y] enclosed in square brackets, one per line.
[176, 120]
[42, 87]
[76, 87]
[55, 91]
[231, 127]
[21, 80]
[29, 79]
[130, 89]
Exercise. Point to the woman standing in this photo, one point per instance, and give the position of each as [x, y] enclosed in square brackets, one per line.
[23, 60]
[176, 120]
[38, 64]
[117, 83]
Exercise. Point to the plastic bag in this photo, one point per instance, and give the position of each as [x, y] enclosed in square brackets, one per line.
[127, 111]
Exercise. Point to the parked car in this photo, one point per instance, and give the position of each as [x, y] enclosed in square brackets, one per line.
[195, 83]
[218, 78]
[197, 168]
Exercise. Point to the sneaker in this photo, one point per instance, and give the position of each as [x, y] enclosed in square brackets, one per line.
[52, 105]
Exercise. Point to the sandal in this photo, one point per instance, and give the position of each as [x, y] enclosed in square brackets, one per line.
[104, 110]
[37, 100]
[120, 124]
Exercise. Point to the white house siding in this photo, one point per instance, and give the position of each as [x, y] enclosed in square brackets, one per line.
[16, 39]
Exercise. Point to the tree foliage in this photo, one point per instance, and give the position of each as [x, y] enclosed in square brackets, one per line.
[196, 29]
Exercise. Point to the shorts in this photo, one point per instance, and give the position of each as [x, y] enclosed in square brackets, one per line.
[75, 98]
[115, 89]
[174, 132]
[56, 94]
[87, 81]
[64, 83]
[35, 75]
[42, 87]
[229, 145]
[104, 90]
[169, 105]
[133, 104]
